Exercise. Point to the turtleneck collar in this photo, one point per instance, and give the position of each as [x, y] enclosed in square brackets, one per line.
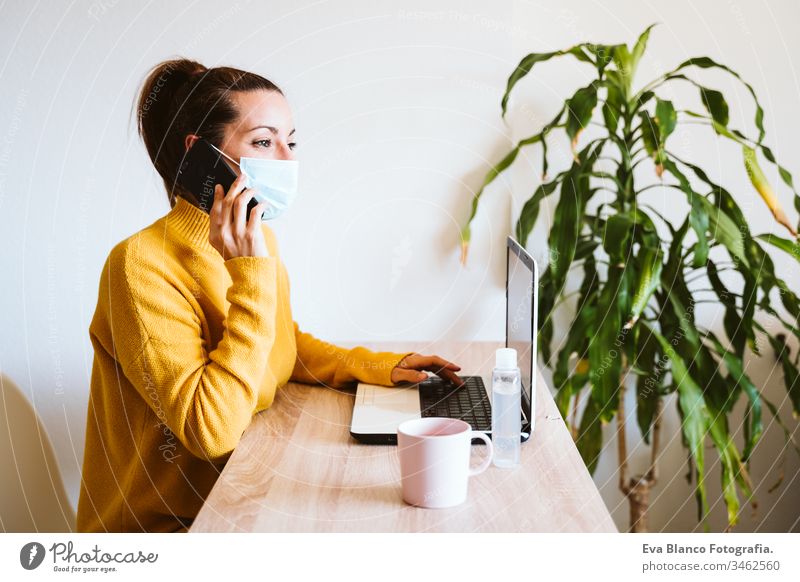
[191, 223]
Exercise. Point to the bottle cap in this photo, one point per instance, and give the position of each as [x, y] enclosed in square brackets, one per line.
[505, 358]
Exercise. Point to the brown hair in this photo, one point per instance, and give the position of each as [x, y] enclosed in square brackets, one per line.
[181, 97]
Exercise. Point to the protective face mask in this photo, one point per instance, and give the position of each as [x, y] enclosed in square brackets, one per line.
[273, 180]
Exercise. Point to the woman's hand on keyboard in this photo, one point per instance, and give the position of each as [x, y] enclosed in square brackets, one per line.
[412, 369]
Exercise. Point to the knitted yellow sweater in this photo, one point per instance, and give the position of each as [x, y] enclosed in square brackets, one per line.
[187, 347]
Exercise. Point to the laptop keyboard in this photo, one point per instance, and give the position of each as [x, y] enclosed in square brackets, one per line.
[469, 403]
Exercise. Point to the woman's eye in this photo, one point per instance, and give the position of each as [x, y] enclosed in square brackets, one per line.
[268, 143]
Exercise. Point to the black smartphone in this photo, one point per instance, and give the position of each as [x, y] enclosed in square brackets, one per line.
[202, 168]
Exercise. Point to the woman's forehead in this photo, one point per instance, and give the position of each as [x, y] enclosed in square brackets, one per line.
[258, 109]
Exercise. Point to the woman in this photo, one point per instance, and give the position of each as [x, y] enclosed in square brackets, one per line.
[193, 331]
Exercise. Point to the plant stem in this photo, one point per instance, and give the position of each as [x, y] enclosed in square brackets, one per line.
[652, 472]
[636, 489]
[622, 447]
[574, 424]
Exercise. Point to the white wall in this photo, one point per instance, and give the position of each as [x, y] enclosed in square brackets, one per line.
[397, 110]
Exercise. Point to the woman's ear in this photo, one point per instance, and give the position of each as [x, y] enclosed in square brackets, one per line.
[189, 141]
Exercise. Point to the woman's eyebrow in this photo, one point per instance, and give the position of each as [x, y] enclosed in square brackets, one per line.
[269, 127]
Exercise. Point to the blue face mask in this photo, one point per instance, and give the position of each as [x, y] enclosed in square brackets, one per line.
[274, 181]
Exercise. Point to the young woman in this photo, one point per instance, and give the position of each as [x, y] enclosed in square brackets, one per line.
[193, 331]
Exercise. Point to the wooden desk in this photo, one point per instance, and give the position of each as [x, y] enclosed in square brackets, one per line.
[297, 469]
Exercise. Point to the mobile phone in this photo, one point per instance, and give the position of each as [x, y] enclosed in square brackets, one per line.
[202, 168]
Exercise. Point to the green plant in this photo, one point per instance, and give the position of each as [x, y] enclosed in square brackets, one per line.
[635, 305]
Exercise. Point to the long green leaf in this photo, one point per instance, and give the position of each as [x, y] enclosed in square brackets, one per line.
[790, 247]
[698, 215]
[562, 378]
[547, 299]
[763, 187]
[724, 230]
[566, 227]
[786, 176]
[755, 172]
[722, 197]
[716, 105]
[530, 210]
[650, 134]
[581, 330]
[672, 274]
[612, 106]
[667, 119]
[639, 47]
[791, 376]
[695, 423]
[606, 346]
[579, 111]
[567, 219]
[526, 64]
[729, 226]
[733, 470]
[648, 384]
[496, 170]
[731, 320]
[707, 63]
[649, 266]
[736, 369]
[617, 237]
[590, 435]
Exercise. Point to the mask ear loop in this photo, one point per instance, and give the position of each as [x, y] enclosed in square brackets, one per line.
[224, 154]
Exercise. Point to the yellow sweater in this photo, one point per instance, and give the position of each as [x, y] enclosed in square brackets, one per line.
[187, 347]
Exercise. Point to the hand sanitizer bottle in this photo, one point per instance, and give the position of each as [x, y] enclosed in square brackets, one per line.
[506, 415]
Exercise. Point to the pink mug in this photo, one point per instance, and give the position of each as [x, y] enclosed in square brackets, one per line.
[435, 460]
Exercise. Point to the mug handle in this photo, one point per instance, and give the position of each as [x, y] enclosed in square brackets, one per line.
[490, 452]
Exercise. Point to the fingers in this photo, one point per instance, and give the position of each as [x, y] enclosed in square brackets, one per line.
[255, 217]
[446, 370]
[439, 366]
[225, 214]
[232, 232]
[215, 230]
[221, 208]
[407, 375]
[255, 231]
[240, 212]
[235, 189]
[451, 377]
[436, 364]
[216, 205]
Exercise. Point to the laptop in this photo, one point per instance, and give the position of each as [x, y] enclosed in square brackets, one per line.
[379, 410]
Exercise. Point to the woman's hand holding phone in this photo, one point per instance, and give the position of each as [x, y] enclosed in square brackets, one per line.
[230, 232]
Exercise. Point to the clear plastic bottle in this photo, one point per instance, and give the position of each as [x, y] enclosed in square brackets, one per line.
[506, 416]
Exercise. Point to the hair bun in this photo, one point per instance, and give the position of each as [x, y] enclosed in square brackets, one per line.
[181, 97]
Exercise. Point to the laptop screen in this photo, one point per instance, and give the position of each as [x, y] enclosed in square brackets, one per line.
[520, 316]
